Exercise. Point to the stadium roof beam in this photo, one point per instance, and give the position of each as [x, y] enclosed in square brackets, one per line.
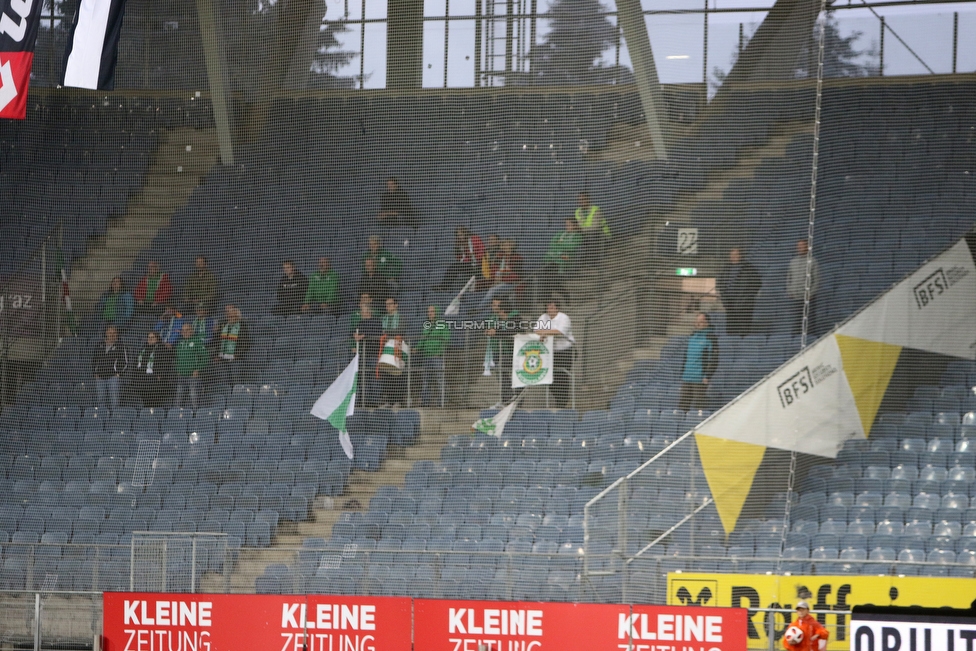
[772, 52]
[631, 20]
[216, 58]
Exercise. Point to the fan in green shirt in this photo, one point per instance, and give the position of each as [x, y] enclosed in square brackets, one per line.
[323, 288]
[387, 264]
[192, 355]
[563, 247]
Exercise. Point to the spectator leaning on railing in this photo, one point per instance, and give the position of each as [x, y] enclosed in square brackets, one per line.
[430, 350]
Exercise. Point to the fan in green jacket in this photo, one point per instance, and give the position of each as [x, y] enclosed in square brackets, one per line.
[323, 288]
[190, 361]
[430, 349]
[563, 247]
[387, 264]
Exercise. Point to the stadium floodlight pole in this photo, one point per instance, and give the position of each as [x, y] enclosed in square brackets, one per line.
[808, 280]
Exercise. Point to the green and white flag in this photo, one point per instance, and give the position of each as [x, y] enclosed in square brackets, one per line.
[69, 315]
[339, 402]
[532, 361]
[495, 425]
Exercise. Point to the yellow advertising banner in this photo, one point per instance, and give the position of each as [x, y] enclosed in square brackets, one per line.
[824, 593]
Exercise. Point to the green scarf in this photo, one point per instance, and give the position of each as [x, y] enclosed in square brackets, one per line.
[228, 339]
[152, 284]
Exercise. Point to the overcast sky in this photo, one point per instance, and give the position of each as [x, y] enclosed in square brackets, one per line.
[677, 39]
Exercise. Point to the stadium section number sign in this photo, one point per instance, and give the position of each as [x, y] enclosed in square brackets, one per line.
[838, 593]
[182, 622]
[688, 241]
[907, 632]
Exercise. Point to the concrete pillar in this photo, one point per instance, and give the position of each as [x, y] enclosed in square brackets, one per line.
[404, 44]
[631, 20]
[220, 96]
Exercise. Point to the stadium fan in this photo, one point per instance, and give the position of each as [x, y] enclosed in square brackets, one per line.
[507, 274]
[796, 281]
[394, 328]
[201, 286]
[323, 289]
[291, 289]
[110, 359]
[395, 207]
[469, 251]
[232, 345]
[701, 361]
[812, 636]
[153, 292]
[115, 307]
[373, 282]
[430, 350]
[203, 324]
[190, 361]
[152, 375]
[367, 331]
[593, 225]
[738, 285]
[500, 343]
[169, 325]
[561, 328]
[560, 255]
[387, 264]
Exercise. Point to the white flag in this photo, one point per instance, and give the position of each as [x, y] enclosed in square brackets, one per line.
[339, 402]
[495, 425]
[455, 305]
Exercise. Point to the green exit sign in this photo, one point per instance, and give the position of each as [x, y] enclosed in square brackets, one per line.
[685, 271]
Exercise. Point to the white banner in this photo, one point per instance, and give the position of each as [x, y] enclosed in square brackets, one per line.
[806, 406]
[907, 633]
[933, 310]
[531, 361]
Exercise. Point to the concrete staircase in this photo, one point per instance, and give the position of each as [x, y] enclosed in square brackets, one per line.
[436, 426]
[183, 158]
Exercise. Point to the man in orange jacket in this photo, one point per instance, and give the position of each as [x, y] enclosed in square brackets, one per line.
[814, 634]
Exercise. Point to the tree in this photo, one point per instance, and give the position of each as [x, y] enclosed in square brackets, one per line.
[841, 58]
[580, 32]
[329, 58]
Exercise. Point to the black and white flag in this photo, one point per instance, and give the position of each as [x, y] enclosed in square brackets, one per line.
[93, 44]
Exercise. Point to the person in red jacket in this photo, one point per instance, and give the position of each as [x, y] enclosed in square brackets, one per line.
[153, 291]
[814, 634]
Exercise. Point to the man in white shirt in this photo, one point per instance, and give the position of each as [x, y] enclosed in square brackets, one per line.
[561, 329]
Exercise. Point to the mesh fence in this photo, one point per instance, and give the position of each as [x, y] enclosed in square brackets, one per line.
[399, 154]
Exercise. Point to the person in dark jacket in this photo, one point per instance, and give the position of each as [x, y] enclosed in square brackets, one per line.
[374, 283]
[701, 360]
[367, 332]
[231, 340]
[152, 375]
[110, 360]
[738, 286]
[395, 208]
[291, 289]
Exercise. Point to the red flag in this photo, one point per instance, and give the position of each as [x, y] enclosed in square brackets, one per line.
[15, 69]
